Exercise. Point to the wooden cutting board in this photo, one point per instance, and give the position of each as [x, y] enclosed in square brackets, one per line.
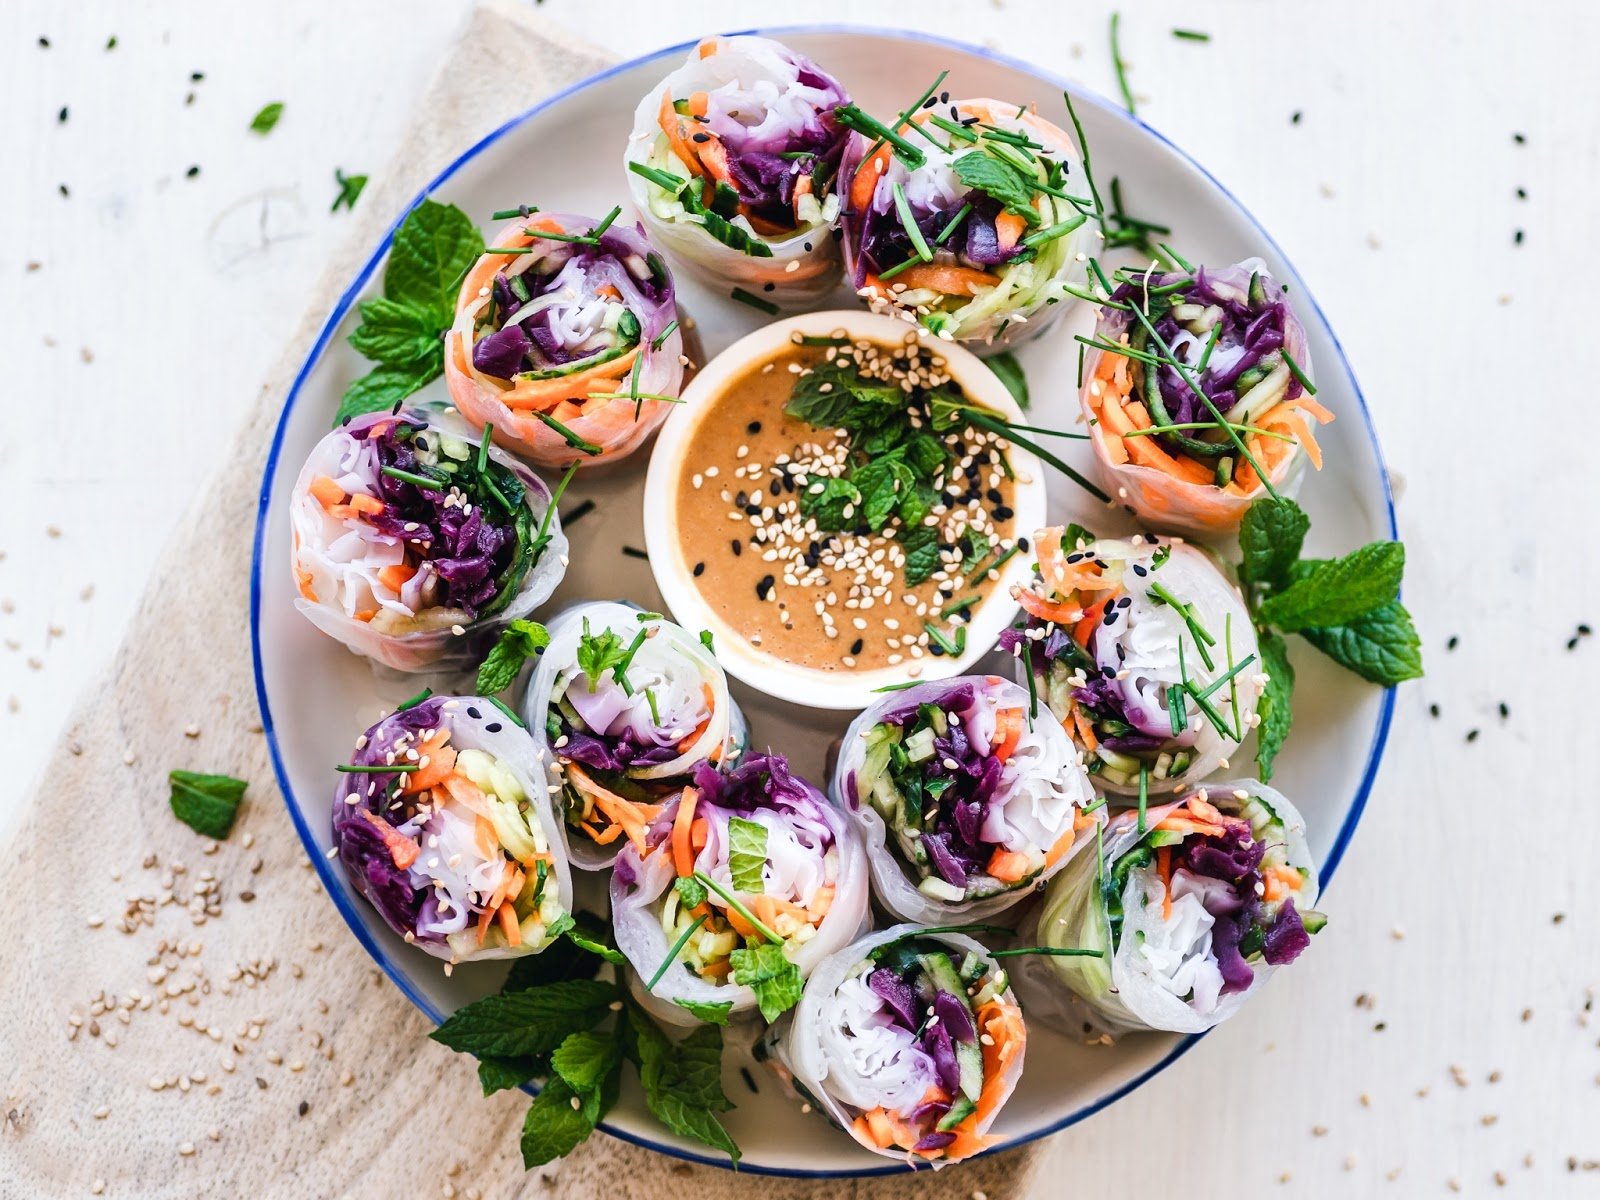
[184, 1018]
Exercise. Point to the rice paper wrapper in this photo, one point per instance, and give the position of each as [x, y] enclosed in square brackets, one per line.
[793, 97]
[567, 316]
[798, 818]
[411, 901]
[1032, 295]
[1166, 502]
[673, 664]
[1140, 984]
[1044, 779]
[337, 558]
[846, 1071]
[1138, 655]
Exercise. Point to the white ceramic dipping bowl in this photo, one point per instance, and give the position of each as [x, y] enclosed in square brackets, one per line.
[673, 551]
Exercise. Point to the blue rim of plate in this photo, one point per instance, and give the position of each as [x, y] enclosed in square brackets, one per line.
[324, 868]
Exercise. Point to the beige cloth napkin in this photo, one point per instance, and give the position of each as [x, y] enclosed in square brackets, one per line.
[187, 1019]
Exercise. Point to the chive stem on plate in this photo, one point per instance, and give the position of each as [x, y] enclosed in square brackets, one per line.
[754, 301]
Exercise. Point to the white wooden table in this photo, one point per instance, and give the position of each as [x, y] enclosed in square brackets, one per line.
[1437, 1037]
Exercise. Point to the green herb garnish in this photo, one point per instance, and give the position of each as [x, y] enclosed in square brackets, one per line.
[207, 804]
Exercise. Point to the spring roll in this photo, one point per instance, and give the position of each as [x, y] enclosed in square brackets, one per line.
[966, 800]
[571, 349]
[743, 876]
[1146, 654]
[734, 167]
[910, 1040]
[1193, 911]
[626, 706]
[443, 823]
[974, 237]
[1246, 351]
[414, 545]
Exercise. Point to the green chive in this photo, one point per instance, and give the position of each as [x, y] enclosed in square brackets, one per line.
[542, 538]
[1056, 951]
[377, 769]
[660, 339]
[404, 705]
[909, 224]
[664, 180]
[1191, 35]
[515, 720]
[744, 297]
[961, 215]
[1222, 680]
[1083, 154]
[1049, 234]
[672, 954]
[738, 907]
[1298, 373]
[605, 224]
[633, 396]
[1144, 793]
[421, 481]
[952, 128]
[506, 214]
[587, 239]
[851, 117]
[1119, 66]
[940, 640]
[1177, 258]
[960, 606]
[572, 439]
[483, 447]
[995, 425]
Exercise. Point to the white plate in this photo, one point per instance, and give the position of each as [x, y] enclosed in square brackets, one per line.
[565, 154]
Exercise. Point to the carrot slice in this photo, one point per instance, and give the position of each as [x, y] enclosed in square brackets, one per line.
[682, 831]
[946, 278]
[545, 394]
[865, 180]
[402, 850]
[1009, 227]
[396, 577]
[326, 491]
[1008, 866]
[1007, 733]
[1047, 610]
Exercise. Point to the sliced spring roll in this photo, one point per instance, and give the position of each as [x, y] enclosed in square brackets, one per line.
[1236, 324]
[571, 349]
[443, 823]
[912, 1041]
[1193, 911]
[772, 849]
[966, 801]
[627, 705]
[734, 166]
[972, 241]
[414, 544]
[1145, 652]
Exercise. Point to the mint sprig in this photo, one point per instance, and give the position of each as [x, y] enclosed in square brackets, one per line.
[402, 331]
[553, 1020]
[519, 641]
[767, 971]
[1348, 608]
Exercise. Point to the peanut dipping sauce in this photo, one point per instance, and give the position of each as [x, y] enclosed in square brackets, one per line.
[834, 601]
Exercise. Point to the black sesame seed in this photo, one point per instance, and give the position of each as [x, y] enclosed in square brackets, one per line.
[44, 43]
[1111, 618]
[635, 552]
[1572, 644]
[1584, 630]
[1472, 735]
[1451, 644]
[1505, 710]
[699, 569]
[1433, 710]
[189, 99]
[837, 234]
[769, 287]
[1022, 545]
[197, 76]
[856, 646]
[62, 115]
[808, 247]
[1294, 117]
[1520, 139]
[62, 188]
[1002, 512]
[1516, 238]
[474, 713]
[192, 172]
[1076, 556]
[702, 137]
[1522, 193]
[764, 587]
[493, 727]
[944, 97]
[996, 496]
[753, 427]
[1139, 570]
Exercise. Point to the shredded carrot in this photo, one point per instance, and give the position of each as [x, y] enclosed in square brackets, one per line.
[699, 834]
[821, 902]
[402, 850]
[865, 180]
[544, 395]
[1007, 733]
[303, 581]
[362, 614]
[1064, 843]
[1046, 610]
[1085, 729]
[510, 925]
[1008, 866]
[1084, 629]
[1204, 810]
[1164, 869]
[1311, 406]
[1002, 1023]
[945, 278]
[1009, 227]
[682, 827]
[441, 763]
[326, 491]
[369, 506]
[397, 576]
[632, 817]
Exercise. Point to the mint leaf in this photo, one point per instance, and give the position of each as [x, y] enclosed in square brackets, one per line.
[556, 963]
[350, 188]
[1380, 646]
[433, 249]
[383, 388]
[585, 1059]
[207, 804]
[530, 1022]
[1339, 591]
[690, 891]
[711, 1014]
[591, 935]
[1000, 180]
[747, 854]
[599, 652]
[519, 641]
[767, 971]
[553, 1127]
[264, 120]
[1270, 537]
[1075, 536]
[682, 1081]
[1275, 705]
[1006, 366]
[826, 505]
[394, 334]
[502, 1074]
[921, 546]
